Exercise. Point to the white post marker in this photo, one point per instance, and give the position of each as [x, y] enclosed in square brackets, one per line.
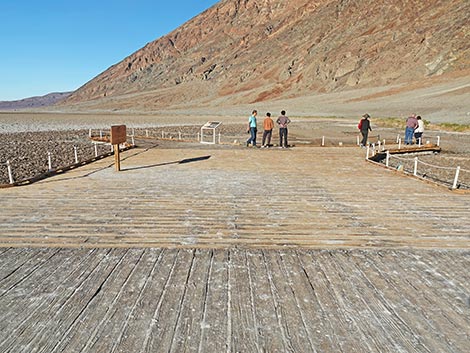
[387, 160]
[49, 160]
[75, 153]
[323, 140]
[96, 150]
[398, 138]
[10, 174]
[367, 152]
[357, 138]
[438, 141]
[415, 171]
[383, 146]
[179, 135]
[89, 133]
[456, 178]
[399, 143]
[133, 141]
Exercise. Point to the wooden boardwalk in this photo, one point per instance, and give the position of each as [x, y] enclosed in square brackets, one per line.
[219, 198]
[234, 250]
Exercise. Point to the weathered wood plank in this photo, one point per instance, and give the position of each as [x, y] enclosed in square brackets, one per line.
[238, 300]
[24, 270]
[342, 329]
[25, 299]
[57, 315]
[271, 336]
[99, 315]
[243, 309]
[355, 304]
[311, 311]
[166, 318]
[443, 311]
[396, 335]
[217, 329]
[141, 321]
[191, 319]
[390, 271]
[290, 313]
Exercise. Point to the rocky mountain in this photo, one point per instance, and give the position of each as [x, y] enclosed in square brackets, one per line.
[34, 102]
[248, 51]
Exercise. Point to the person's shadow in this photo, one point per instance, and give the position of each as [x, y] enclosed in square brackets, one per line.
[183, 161]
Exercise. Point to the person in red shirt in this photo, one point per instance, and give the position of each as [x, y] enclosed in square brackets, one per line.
[364, 128]
[268, 125]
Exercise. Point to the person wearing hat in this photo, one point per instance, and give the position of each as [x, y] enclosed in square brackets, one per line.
[364, 128]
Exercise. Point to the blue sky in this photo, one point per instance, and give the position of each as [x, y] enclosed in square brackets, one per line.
[59, 45]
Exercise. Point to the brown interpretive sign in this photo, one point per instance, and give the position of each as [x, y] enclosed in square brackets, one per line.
[118, 135]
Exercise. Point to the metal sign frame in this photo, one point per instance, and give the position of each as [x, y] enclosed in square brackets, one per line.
[210, 126]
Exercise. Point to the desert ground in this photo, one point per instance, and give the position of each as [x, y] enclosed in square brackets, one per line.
[226, 248]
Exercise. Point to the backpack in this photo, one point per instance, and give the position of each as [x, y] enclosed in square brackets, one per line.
[359, 126]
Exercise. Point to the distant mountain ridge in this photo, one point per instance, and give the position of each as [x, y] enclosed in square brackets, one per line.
[34, 102]
[249, 51]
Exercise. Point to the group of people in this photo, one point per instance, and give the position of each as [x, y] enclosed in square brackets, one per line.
[268, 126]
[414, 127]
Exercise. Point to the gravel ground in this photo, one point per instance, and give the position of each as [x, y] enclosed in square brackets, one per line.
[28, 151]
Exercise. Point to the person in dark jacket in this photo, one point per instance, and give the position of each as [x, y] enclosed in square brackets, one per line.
[364, 127]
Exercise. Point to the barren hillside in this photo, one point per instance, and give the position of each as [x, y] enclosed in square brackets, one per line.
[252, 51]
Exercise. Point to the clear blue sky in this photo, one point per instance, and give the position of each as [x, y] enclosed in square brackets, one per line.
[59, 45]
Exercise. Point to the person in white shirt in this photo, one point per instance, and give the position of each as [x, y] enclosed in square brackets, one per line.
[419, 131]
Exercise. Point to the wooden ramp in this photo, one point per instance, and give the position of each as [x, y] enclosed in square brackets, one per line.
[234, 250]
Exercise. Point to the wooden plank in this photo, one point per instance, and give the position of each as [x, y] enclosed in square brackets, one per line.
[24, 299]
[342, 330]
[290, 314]
[354, 304]
[442, 308]
[140, 323]
[243, 309]
[390, 271]
[192, 319]
[57, 314]
[25, 269]
[271, 336]
[378, 309]
[103, 312]
[216, 335]
[12, 259]
[313, 315]
[167, 314]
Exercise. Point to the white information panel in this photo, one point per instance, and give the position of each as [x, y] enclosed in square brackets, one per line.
[211, 127]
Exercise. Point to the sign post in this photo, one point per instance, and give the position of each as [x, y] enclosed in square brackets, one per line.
[118, 136]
